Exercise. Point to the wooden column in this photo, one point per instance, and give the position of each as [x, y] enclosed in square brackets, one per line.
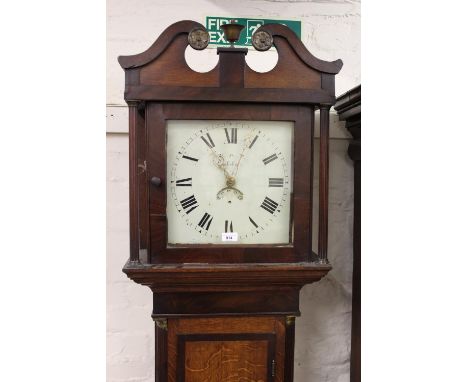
[133, 180]
[323, 184]
[289, 348]
[348, 107]
[160, 348]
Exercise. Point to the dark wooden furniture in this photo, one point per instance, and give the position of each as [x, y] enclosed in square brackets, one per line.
[348, 107]
[225, 313]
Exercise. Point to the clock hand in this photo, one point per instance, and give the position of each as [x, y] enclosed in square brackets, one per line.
[247, 143]
[218, 161]
[230, 180]
[230, 183]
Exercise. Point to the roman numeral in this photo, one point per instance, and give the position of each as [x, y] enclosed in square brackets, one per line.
[190, 158]
[228, 226]
[253, 222]
[269, 205]
[269, 159]
[184, 182]
[208, 142]
[233, 137]
[253, 141]
[205, 220]
[275, 182]
[189, 203]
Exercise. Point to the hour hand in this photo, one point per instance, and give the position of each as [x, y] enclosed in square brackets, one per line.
[220, 162]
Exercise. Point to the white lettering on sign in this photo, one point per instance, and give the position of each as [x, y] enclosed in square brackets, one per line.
[212, 36]
[229, 236]
[217, 37]
[224, 21]
[220, 37]
[212, 23]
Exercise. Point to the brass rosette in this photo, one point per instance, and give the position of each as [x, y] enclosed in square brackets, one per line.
[262, 40]
[198, 38]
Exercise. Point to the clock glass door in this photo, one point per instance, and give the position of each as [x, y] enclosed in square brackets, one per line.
[229, 182]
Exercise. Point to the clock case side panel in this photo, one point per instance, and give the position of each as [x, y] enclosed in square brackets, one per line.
[157, 114]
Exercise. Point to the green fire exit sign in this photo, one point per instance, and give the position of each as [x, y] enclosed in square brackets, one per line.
[213, 25]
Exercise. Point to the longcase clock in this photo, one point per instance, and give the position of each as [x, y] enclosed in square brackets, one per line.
[221, 170]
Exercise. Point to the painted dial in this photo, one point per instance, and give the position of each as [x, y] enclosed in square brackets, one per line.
[229, 182]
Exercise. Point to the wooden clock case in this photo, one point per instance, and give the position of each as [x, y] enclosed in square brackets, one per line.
[230, 307]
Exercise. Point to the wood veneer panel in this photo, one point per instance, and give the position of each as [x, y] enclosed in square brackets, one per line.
[280, 352]
[227, 325]
[278, 301]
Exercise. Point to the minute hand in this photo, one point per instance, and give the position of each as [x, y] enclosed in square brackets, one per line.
[247, 144]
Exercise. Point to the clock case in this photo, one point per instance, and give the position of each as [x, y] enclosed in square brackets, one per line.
[210, 280]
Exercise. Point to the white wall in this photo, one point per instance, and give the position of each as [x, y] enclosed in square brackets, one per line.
[330, 30]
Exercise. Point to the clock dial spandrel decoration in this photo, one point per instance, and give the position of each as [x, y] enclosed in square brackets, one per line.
[229, 177]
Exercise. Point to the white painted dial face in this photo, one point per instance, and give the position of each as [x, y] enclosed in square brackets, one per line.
[229, 182]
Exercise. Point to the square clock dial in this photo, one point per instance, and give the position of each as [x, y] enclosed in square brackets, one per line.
[229, 182]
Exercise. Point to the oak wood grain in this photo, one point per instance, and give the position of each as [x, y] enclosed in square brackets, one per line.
[226, 349]
[233, 361]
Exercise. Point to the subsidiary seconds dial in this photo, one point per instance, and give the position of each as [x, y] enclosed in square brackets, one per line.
[229, 182]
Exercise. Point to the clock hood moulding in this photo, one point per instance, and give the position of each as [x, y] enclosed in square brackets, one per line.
[161, 73]
[224, 277]
[184, 28]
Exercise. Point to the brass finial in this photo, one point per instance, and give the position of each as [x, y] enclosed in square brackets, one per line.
[232, 31]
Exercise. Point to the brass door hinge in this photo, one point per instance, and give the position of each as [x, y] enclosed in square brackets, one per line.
[273, 368]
